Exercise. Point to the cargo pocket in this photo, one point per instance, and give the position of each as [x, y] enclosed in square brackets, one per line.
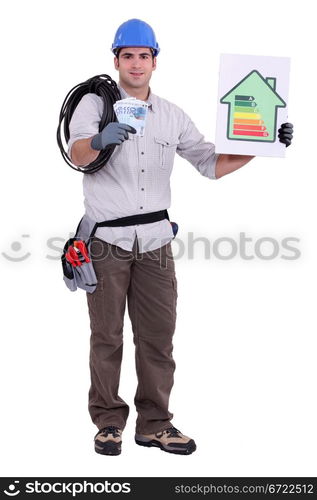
[174, 280]
[175, 295]
[166, 151]
[96, 307]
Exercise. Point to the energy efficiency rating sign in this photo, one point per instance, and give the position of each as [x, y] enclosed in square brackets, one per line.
[252, 109]
[252, 104]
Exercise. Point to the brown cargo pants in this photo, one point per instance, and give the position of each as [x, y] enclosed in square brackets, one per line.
[147, 280]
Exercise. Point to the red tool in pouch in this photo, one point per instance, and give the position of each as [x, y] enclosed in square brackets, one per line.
[77, 253]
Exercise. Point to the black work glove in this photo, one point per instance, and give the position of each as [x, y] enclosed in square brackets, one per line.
[113, 133]
[285, 133]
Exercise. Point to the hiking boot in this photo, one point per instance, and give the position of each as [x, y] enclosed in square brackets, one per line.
[108, 440]
[170, 440]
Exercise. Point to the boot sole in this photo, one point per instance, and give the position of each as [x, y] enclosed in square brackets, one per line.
[156, 444]
[108, 449]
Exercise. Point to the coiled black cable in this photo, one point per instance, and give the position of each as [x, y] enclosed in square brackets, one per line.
[107, 89]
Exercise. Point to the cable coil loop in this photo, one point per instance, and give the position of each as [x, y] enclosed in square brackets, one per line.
[107, 89]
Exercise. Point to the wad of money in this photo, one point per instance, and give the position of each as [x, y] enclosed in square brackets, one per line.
[133, 112]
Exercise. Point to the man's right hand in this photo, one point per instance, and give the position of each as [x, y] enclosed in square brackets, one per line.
[113, 133]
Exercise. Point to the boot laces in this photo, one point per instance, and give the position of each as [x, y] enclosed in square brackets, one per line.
[110, 429]
[173, 432]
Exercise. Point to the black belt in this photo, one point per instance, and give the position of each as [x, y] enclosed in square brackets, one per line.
[132, 220]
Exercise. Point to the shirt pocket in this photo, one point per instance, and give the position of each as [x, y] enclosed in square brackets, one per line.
[166, 151]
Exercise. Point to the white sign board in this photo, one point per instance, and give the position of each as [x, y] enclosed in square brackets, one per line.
[252, 104]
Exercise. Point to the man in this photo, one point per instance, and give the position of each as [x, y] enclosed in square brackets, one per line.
[136, 262]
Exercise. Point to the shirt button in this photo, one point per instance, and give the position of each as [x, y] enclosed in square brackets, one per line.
[142, 153]
[142, 170]
[141, 207]
[142, 189]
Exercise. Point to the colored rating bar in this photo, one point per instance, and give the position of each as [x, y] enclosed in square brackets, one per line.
[250, 132]
[252, 122]
[246, 104]
[238, 109]
[247, 115]
[248, 127]
[244, 97]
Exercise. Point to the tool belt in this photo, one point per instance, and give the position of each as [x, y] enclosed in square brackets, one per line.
[84, 276]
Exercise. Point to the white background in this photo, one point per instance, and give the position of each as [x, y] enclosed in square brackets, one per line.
[245, 343]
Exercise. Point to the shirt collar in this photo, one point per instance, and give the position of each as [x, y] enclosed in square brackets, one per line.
[150, 101]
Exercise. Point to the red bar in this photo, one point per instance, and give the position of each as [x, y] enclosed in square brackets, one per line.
[250, 132]
[249, 127]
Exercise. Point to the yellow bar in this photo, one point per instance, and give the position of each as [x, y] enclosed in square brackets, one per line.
[255, 116]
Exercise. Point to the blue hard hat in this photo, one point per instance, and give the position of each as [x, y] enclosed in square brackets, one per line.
[135, 33]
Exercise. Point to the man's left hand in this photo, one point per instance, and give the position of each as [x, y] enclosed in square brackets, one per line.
[285, 133]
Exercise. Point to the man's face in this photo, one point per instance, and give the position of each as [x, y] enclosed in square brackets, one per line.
[135, 66]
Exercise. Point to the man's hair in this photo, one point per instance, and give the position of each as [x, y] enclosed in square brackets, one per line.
[117, 52]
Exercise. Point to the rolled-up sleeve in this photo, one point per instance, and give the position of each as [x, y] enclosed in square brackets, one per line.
[85, 120]
[196, 150]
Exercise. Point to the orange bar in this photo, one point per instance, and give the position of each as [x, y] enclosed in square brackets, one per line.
[246, 120]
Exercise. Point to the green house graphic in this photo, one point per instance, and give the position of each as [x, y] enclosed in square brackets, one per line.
[252, 112]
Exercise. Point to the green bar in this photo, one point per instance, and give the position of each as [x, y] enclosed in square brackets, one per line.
[247, 104]
[240, 109]
[244, 97]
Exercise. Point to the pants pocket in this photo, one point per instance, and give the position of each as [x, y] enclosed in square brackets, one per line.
[96, 306]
